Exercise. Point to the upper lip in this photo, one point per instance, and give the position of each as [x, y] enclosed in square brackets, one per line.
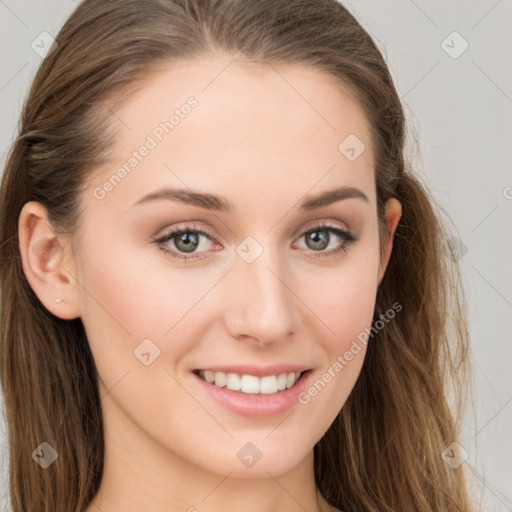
[258, 371]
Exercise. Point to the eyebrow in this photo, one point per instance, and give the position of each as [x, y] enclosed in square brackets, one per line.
[221, 204]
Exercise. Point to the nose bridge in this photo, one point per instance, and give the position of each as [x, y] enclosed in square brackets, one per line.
[262, 304]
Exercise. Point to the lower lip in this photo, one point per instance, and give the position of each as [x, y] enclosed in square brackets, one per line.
[253, 405]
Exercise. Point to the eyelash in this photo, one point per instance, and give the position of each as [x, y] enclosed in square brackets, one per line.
[348, 237]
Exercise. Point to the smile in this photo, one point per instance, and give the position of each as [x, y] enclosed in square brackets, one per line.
[250, 384]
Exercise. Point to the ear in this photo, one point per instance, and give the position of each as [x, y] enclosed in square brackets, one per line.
[47, 262]
[393, 214]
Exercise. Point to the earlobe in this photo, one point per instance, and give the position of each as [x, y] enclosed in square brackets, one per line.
[393, 215]
[45, 262]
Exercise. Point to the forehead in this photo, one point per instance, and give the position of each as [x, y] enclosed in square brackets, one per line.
[251, 127]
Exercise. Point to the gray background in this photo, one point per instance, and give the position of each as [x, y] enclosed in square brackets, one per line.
[459, 112]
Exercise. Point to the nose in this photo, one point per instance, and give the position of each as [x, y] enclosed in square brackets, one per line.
[262, 305]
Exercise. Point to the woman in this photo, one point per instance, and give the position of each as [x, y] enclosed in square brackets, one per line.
[221, 284]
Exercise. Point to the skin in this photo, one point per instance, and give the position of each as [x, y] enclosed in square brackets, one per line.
[263, 146]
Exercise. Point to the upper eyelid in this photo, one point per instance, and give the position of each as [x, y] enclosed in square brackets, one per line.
[314, 224]
[310, 227]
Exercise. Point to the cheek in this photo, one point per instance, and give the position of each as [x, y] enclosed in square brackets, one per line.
[129, 296]
[128, 313]
[346, 308]
[343, 297]
[343, 302]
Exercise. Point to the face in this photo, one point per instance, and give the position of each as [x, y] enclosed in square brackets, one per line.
[260, 277]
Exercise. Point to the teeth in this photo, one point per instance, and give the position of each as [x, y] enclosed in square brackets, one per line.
[281, 381]
[251, 384]
[232, 381]
[220, 379]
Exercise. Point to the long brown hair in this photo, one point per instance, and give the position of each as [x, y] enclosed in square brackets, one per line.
[384, 450]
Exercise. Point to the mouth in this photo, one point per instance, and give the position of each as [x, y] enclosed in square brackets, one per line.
[251, 384]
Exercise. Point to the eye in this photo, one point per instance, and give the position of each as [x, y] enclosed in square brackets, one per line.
[319, 238]
[186, 240]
